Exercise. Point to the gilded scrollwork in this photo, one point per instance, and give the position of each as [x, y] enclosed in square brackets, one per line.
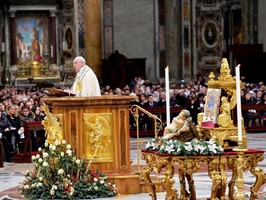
[52, 126]
[260, 180]
[217, 171]
[145, 173]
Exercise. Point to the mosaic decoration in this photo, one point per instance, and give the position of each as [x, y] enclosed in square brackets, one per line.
[210, 34]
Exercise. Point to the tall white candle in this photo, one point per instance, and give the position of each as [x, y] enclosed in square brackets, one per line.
[52, 51]
[238, 98]
[167, 93]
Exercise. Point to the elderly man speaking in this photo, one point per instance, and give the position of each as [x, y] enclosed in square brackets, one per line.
[86, 83]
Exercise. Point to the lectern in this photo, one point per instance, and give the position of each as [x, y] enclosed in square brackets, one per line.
[98, 130]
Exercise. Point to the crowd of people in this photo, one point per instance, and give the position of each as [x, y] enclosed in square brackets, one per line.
[20, 105]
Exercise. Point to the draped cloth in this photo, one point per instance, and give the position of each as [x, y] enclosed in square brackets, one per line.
[86, 83]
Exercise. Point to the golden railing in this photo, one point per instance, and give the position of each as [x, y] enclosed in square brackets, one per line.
[136, 111]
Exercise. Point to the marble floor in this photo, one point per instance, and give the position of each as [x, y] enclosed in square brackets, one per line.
[12, 173]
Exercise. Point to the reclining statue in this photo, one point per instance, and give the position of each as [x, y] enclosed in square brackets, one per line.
[181, 128]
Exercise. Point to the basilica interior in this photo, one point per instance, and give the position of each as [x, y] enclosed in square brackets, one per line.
[124, 39]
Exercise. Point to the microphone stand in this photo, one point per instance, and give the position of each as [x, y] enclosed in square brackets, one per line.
[64, 82]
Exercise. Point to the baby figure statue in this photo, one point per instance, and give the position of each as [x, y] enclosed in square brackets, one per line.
[181, 124]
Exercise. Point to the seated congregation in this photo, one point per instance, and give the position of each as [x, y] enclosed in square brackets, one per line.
[12, 130]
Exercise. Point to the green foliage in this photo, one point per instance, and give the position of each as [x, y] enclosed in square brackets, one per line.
[192, 148]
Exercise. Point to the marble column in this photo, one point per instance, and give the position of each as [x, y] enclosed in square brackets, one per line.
[93, 35]
[247, 24]
[172, 38]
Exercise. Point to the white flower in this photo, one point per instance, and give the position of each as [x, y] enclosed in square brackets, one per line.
[188, 147]
[63, 142]
[71, 191]
[62, 154]
[96, 187]
[39, 149]
[170, 148]
[52, 192]
[40, 160]
[26, 187]
[60, 171]
[40, 179]
[38, 156]
[95, 179]
[54, 187]
[56, 143]
[33, 158]
[45, 154]
[78, 161]
[53, 148]
[212, 148]
[46, 144]
[40, 184]
[45, 164]
[33, 185]
[102, 182]
[68, 146]
[201, 148]
[69, 152]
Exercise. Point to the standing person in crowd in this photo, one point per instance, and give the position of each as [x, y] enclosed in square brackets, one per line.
[86, 83]
[2, 108]
[142, 99]
[190, 101]
[263, 101]
[149, 104]
[198, 107]
[16, 130]
[39, 117]
[5, 127]
[258, 96]
[156, 96]
[28, 116]
[250, 116]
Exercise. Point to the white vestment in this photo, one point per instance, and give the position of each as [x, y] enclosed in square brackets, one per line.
[86, 83]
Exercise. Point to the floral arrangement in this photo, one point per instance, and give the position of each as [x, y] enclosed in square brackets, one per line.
[192, 148]
[58, 174]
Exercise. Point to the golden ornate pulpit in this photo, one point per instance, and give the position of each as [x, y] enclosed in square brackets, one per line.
[98, 130]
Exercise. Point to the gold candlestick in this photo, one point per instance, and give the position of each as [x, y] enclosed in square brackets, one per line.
[240, 180]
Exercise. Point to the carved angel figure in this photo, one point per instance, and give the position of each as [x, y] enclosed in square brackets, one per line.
[224, 118]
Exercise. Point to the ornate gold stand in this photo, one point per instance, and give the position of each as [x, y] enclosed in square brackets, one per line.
[187, 166]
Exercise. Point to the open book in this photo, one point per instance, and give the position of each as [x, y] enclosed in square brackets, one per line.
[59, 92]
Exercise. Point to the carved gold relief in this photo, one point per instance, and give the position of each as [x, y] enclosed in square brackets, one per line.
[52, 126]
[98, 141]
